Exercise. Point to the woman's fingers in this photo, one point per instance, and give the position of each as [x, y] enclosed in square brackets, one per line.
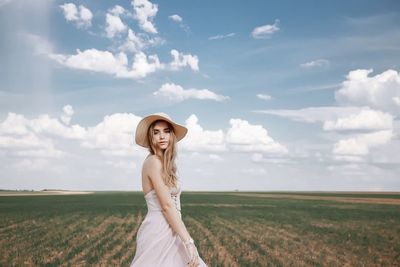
[195, 260]
[191, 256]
[194, 256]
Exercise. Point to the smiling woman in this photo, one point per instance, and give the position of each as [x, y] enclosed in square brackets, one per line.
[162, 238]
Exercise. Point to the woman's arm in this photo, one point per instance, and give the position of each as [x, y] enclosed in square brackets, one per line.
[154, 167]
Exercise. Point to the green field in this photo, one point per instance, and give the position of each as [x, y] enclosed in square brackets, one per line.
[231, 229]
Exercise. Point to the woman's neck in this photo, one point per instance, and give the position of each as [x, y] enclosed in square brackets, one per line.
[160, 154]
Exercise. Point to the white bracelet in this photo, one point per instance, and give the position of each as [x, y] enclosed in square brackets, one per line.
[190, 241]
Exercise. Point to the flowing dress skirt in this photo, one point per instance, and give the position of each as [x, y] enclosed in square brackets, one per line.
[158, 245]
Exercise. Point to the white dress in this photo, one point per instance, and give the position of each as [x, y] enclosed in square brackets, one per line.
[156, 243]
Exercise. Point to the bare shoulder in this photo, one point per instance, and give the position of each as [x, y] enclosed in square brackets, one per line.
[152, 163]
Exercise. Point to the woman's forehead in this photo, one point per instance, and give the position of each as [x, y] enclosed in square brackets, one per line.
[161, 125]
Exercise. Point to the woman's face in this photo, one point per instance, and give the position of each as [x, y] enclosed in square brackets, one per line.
[161, 134]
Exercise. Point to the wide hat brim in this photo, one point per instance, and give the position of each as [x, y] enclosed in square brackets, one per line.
[143, 126]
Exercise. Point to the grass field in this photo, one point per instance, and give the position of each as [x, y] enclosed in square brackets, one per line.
[230, 228]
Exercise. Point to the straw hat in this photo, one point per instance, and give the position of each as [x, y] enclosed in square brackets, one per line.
[143, 126]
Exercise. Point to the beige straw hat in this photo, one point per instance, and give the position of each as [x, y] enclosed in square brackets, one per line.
[143, 126]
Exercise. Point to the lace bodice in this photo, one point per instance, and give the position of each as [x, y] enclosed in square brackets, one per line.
[153, 203]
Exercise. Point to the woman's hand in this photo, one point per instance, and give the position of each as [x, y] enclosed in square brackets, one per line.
[193, 255]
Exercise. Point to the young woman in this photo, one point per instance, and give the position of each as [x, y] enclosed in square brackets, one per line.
[162, 238]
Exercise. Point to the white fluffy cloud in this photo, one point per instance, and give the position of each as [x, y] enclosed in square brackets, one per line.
[81, 15]
[46, 144]
[240, 137]
[117, 10]
[360, 144]
[181, 60]
[134, 43]
[16, 124]
[35, 137]
[366, 119]
[106, 62]
[243, 136]
[94, 60]
[144, 12]
[345, 120]
[137, 42]
[117, 64]
[319, 63]
[114, 25]
[381, 91]
[177, 93]
[142, 66]
[176, 18]
[265, 31]
[42, 136]
[114, 135]
[198, 139]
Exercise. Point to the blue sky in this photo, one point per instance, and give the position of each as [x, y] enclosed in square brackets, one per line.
[284, 95]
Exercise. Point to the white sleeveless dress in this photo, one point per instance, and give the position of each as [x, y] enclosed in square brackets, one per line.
[156, 243]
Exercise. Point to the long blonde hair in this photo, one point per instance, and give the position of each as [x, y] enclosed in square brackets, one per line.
[169, 155]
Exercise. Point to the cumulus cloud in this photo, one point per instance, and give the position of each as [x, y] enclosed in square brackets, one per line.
[264, 96]
[177, 93]
[44, 124]
[142, 66]
[221, 36]
[81, 15]
[345, 120]
[113, 135]
[144, 12]
[175, 18]
[265, 31]
[181, 60]
[42, 136]
[35, 137]
[133, 43]
[94, 60]
[114, 25]
[381, 91]
[46, 138]
[137, 42]
[319, 63]
[198, 139]
[366, 119]
[240, 137]
[360, 144]
[243, 136]
[117, 10]
[106, 62]
[117, 64]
